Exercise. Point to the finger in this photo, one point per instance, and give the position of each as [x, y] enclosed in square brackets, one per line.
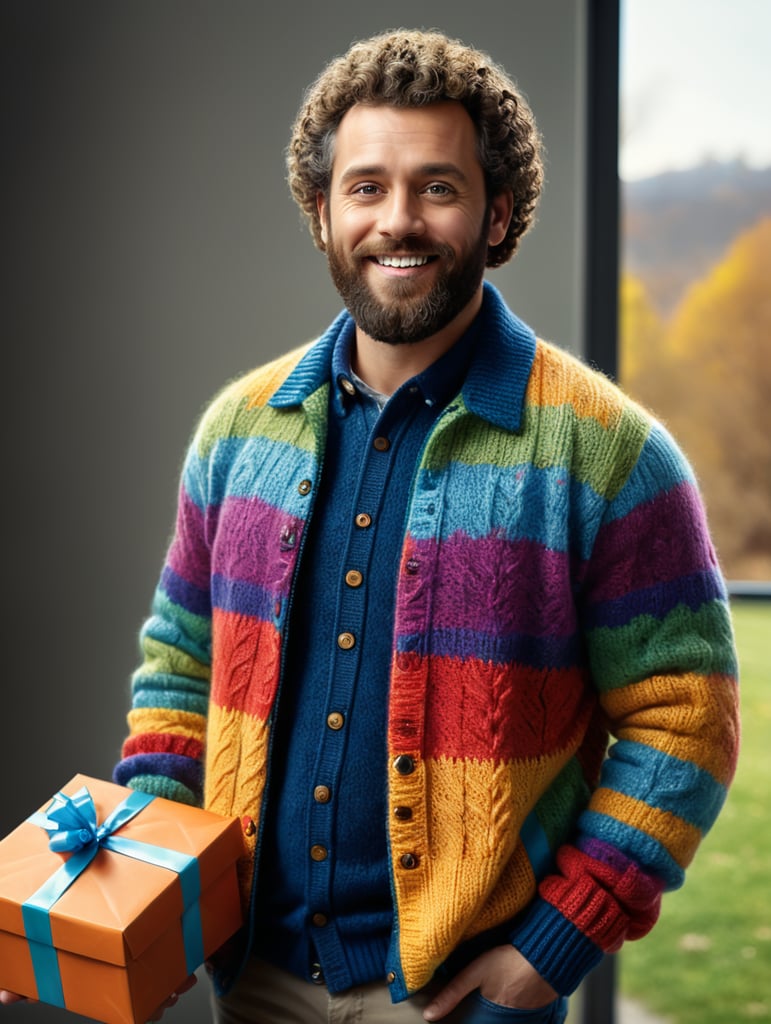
[453, 992]
[185, 986]
[6, 997]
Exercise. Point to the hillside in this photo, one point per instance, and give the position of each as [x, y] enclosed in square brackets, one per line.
[677, 225]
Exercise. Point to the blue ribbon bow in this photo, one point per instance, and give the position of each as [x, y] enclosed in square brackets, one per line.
[71, 823]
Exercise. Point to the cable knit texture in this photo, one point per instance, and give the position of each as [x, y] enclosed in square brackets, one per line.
[557, 589]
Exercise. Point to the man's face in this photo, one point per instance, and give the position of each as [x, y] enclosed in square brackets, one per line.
[407, 222]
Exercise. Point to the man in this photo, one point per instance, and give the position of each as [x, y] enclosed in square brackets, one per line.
[422, 570]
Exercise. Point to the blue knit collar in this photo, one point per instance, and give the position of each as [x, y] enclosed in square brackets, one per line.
[495, 384]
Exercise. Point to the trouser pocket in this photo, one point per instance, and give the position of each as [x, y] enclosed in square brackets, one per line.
[475, 1009]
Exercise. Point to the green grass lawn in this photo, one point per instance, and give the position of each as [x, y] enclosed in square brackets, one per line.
[708, 960]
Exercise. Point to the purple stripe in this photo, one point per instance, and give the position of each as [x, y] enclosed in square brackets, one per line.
[658, 601]
[465, 644]
[243, 598]
[185, 594]
[491, 585]
[189, 553]
[675, 543]
[182, 769]
[257, 543]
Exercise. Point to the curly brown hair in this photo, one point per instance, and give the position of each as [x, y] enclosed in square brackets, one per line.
[411, 69]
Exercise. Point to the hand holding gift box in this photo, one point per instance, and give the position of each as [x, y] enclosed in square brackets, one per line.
[110, 899]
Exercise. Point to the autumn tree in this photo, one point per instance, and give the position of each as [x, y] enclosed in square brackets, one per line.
[711, 386]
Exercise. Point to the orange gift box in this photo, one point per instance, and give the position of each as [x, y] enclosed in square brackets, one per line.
[128, 927]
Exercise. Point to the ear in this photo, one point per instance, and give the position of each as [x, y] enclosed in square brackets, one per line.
[321, 208]
[501, 211]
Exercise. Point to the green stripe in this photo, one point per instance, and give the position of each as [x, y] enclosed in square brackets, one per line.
[683, 641]
[551, 437]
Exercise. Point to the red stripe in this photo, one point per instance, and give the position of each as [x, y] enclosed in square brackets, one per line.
[474, 709]
[605, 904]
[246, 667]
[162, 743]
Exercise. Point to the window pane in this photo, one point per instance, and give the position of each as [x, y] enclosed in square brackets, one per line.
[695, 160]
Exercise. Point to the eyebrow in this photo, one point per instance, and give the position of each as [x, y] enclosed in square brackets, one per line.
[438, 170]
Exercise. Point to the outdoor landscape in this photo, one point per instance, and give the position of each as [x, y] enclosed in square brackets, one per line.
[708, 960]
[696, 347]
[695, 330]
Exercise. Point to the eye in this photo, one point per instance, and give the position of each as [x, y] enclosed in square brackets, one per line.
[366, 189]
[437, 188]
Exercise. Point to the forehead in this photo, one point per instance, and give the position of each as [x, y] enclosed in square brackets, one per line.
[403, 135]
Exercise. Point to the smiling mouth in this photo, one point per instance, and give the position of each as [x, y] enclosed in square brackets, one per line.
[402, 262]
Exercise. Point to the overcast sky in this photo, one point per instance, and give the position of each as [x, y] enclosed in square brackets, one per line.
[696, 83]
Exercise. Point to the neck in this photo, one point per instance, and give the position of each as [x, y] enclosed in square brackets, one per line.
[386, 367]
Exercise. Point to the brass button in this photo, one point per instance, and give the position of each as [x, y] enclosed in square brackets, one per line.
[335, 720]
[318, 852]
[381, 444]
[347, 386]
[317, 975]
[363, 520]
[404, 764]
[346, 641]
[249, 826]
[390, 977]
[409, 861]
[320, 920]
[322, 794]
[354, 578]
[411, 566]
[304, 486]
[403, 813]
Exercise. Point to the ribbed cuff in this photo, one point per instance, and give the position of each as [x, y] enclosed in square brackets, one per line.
[560, 953]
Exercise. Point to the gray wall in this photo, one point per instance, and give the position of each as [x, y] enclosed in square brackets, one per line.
[151, 252]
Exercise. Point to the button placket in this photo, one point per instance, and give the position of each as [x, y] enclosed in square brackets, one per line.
[349, 642]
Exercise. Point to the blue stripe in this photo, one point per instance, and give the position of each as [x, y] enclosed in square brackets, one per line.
[162, 628]
[660, 467]
[665, 782]
[163, 682]
[174, 700]
[187, 595]
[648, 852]
[186, 770]
[519, 502]
[242, 597]
[536, 652]
[249, 467]
[657, 601]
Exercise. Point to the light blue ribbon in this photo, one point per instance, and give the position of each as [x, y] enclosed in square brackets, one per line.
[72, 826]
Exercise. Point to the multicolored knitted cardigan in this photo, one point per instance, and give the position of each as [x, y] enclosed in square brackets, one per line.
[557, 586]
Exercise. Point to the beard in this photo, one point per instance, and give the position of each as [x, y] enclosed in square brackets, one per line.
[409, 315]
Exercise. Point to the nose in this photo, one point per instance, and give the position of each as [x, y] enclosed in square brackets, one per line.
[400, 215]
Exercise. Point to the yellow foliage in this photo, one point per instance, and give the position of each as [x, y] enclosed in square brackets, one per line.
[707, 374]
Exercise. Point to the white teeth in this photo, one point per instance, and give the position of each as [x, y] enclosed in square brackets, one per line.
[402, 261]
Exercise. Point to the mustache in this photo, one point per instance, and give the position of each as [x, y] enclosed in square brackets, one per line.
[402, 247]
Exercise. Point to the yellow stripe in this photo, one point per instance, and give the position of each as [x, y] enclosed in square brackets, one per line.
[557, 379]
[473, 873]
[177, 723]
[692, 717]
[676, 835]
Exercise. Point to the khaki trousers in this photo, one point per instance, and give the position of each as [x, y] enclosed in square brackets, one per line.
[267, 995]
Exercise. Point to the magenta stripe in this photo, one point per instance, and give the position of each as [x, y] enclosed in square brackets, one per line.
[663, 553]
[189, 554]
[256, 542]
[490, 585]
